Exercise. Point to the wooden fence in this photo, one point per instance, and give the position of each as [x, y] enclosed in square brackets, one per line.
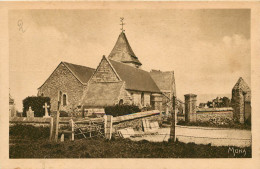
[82, 128]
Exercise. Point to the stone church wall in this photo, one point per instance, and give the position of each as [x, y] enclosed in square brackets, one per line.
[62, 80]
[125, 95]
[136, 98]
[104, 73]
[147, 99]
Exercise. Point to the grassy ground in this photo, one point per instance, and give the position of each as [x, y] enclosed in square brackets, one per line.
[29, 145]
[119, 148]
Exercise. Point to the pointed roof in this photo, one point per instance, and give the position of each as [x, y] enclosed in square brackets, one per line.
[123, 52]
[164, 80]
[241, 84]
[135, 79]
[83, 73]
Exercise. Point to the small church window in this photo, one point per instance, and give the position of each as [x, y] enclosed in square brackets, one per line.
[64, 99]
[121, 102]
[42, 94]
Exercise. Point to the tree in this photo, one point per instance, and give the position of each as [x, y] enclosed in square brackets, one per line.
[36, 103]
[226, 102]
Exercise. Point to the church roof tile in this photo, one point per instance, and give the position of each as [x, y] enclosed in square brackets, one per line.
[135, 79]
[164, 80]
[83, 73]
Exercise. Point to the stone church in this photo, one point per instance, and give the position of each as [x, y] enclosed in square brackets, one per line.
[118, 79]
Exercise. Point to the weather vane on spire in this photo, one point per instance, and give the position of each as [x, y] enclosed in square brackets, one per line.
[122, 23]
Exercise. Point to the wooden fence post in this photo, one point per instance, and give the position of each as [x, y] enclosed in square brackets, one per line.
[173, 121]
[57, 125]
[108, 126]
[51, 127]
[55, 129]
[72, 129]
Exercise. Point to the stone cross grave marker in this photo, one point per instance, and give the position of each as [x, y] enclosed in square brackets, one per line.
[30, 113]
[46, 110]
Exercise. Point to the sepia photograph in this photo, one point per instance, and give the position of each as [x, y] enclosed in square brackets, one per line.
[131, 83]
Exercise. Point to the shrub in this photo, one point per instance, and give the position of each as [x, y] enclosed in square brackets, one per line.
[120, 110]
[37, 103]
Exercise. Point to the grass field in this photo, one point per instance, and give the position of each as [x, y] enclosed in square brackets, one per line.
[25, 143]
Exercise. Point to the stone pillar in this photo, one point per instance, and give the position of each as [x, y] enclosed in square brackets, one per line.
[156, 100]
[238, 100]
[190, 107]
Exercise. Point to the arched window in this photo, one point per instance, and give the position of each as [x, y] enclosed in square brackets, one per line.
[142, 99]
[64, 99]
[121, 102]
[42, 94]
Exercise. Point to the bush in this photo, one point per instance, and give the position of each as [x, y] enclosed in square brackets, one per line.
[120, 110]
[37, 103]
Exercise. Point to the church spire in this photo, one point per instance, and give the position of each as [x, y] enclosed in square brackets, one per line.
[122, 51]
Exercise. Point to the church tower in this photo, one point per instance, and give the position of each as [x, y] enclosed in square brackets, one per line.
[122, 51]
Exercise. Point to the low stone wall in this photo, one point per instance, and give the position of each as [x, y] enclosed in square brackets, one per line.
[215, 115]
[80, 122]
[131, 120]
[45, 122]
[135, 120]
[34, 121]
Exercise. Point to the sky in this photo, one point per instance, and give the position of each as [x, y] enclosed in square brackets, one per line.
[208, 50]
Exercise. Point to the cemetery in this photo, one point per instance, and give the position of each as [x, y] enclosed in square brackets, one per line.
[119, 110]
[127, 126]
[141, 134]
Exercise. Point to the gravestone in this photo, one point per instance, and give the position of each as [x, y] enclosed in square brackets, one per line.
[46, 110]
[30, 113]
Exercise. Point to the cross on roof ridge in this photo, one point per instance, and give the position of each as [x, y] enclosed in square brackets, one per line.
[122, 23]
